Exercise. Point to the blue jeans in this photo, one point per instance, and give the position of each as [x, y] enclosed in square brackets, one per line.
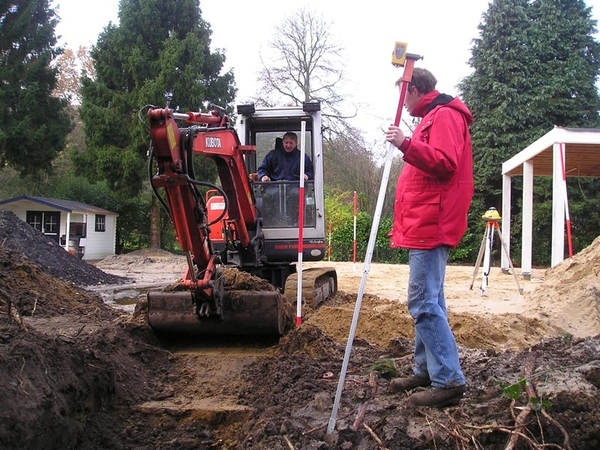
[436, 354]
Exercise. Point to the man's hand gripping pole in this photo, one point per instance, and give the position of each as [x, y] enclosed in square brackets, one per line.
[400, 58]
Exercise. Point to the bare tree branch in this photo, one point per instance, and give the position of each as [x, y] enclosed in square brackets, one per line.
[306, 64]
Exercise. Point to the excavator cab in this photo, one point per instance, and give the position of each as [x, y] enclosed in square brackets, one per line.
[277, 201]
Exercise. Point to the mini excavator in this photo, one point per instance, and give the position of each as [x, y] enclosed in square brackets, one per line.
[238, 223]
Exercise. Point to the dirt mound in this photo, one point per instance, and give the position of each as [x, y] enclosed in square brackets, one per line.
[145, 266]
[64, 356]
[295, 405]
[31, 291]
[51, 257]
[570, 294]
[68, 382]
[381, 321]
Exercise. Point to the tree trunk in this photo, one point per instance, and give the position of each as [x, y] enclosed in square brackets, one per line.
[155, 224]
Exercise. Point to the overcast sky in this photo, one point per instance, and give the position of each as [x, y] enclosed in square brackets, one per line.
[439, 30]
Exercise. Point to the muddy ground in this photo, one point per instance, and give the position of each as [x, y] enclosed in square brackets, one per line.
[79, 371]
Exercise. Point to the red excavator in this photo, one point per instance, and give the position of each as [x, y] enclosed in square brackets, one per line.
[239, 223]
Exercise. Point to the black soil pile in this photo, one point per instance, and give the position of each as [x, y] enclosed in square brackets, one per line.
[65, 357]
[48, 255]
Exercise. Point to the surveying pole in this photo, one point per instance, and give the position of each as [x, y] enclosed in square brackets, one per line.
[400, 58]
[492, 223]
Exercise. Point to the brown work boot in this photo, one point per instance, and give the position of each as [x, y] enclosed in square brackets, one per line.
[408, 383]
[438, 397]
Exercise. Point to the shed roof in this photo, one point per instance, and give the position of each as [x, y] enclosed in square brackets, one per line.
[69, 206]
[582, 153]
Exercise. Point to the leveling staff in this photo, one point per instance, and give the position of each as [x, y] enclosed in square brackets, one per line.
[433, 195]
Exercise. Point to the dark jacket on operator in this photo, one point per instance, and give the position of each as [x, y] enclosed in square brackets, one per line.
[280, 165]
[435, 186]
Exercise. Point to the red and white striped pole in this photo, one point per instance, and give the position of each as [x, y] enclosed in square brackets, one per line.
[329, 247]
[300, 223]
[568, 219]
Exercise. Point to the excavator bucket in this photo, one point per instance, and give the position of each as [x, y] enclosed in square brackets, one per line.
[242, 313]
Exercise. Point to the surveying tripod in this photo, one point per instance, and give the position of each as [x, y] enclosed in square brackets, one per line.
[492, 219]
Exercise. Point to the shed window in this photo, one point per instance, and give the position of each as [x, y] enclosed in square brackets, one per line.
[100, 222]
[35, 219]
[51, 223]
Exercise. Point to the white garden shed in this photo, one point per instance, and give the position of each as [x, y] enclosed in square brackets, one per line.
[562, 153]
[85, 230]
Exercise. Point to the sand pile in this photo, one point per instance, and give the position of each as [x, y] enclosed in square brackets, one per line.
[569, 297]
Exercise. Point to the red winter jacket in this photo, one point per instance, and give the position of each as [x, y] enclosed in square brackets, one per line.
[435, 186]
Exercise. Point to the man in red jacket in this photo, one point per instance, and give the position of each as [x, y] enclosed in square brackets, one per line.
[433, 196]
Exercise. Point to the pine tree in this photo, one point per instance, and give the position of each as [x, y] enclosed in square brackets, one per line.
[33, 123]
[158, 54]
[535, 66]
[567, 63]
[160, 51]
[497, 91]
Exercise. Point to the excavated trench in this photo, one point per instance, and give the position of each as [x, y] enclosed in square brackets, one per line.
[218, 362]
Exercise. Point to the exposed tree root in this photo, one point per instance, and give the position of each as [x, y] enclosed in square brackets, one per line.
[380, 445]
[14, 314]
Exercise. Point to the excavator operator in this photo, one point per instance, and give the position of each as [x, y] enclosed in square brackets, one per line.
[283, 163]
[282, 166]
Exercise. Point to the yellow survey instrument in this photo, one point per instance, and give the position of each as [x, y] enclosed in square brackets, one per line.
[491, 214]
[399, 54]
